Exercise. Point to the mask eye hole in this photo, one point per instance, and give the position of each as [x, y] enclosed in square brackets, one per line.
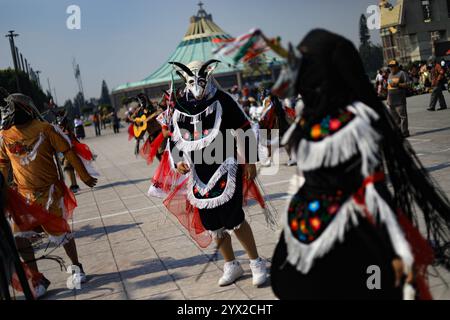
[191, 81]
[202, 82]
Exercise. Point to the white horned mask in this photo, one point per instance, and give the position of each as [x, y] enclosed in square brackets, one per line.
[197, 76]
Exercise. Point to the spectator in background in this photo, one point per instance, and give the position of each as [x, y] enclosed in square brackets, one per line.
[438, 77]
[396, 99]
[97, 123]
[79, 128]
[379, 82]
[116, 122]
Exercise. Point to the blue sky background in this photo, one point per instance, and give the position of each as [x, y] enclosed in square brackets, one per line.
[125, 40]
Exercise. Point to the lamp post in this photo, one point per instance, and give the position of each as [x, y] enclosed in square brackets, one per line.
[11, 35]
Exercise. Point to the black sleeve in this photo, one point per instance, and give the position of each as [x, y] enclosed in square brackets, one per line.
[176, 154]
[246, 138]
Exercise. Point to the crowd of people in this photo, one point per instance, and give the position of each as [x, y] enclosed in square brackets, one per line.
[422, 77]
[395, 84]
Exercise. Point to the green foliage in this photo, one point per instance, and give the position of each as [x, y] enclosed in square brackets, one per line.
[364, 35]
[104, 96]
[371, 55]
[28, 87]
[124, 100]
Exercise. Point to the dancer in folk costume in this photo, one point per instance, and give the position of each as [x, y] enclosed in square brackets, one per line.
[38, 201]
[142, 122]
[166, 177]
[272, 117]
[81, 149]
[204, 119]
[344, 220]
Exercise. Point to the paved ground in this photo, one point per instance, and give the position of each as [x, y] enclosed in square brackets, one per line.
[133, 249]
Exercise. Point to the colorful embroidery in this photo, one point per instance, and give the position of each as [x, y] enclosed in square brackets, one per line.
[308, 219]
[328, 126]
[215, 192]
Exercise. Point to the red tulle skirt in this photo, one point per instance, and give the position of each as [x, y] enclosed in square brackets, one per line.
[82, 150]
[150, 148]
[130, 132]
[189, 216]
[166, 178]
[30, 216]
[423, 256]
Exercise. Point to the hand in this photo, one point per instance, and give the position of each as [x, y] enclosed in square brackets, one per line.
[399, 270]
[250, 172]
[183, 168]
[90, 181]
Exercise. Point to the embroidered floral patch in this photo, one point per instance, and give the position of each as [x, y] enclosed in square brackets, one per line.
[215, 192]
[328, 126]
[308, 218]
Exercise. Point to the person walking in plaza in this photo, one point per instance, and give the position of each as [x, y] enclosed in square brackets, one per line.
[39, 200]
[438, 84]
[79, 128]
[396, 100]
[116, 122]
[97, 123]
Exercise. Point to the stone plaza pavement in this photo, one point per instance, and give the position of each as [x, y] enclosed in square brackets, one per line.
[132, 248]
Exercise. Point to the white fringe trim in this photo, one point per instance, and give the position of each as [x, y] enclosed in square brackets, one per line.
[357, 136]
[375, 203]
[31, 156]
[220, 234]
[230, 168]
[187, 145]
[303, 255]
[50, 197]
[58, 130]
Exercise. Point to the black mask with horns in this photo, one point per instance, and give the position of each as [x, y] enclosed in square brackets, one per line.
[197, 76]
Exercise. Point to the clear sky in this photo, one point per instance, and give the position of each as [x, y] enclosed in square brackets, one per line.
[126, 40]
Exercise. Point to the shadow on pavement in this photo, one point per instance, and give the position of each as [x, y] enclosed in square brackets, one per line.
[121, 183]
[98, 232]
[421, 133]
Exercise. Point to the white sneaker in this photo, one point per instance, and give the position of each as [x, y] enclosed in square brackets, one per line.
[231, 272]
[266, 163]
[259, 271]
[291, 163]
[78, 277]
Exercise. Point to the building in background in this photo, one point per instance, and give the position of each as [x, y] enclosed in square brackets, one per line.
[414, 30]
[197, 44]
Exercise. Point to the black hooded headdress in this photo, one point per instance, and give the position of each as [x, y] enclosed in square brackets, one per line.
[330, 77]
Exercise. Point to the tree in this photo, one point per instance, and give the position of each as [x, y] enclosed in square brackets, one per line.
[28, 87]
[104, 96]
[364, 35]
[371, 55]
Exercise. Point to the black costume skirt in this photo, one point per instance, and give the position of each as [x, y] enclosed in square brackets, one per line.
[342, 273]
[228, 216]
